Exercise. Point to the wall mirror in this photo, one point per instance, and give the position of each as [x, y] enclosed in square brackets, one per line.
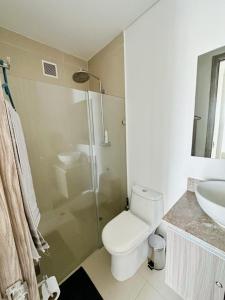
[208, 138]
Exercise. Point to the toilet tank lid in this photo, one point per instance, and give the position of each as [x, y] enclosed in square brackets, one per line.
[147, 193]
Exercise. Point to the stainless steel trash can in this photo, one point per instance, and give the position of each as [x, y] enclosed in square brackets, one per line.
[157, 259]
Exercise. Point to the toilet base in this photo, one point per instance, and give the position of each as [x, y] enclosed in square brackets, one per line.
[125, 266]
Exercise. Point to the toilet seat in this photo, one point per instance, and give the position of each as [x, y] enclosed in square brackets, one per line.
[125, 232]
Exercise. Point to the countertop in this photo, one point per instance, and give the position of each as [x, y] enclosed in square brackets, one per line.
[187, 216]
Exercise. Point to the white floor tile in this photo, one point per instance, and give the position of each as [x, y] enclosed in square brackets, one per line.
[146, 284]
[149, 293]
[157, 280]
[98, 267]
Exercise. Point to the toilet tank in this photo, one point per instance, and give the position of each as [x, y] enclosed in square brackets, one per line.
[147, 204]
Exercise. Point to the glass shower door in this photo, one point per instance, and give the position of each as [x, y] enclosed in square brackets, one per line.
[110, 155]
[56, 126]
[79, 173]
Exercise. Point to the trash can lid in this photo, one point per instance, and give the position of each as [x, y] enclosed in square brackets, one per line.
[156, 242]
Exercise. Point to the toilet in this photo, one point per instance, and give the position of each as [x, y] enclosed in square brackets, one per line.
[126, 236]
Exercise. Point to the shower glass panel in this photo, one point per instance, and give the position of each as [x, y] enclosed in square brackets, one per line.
[110, 157]
[57, 131]
[79, 181]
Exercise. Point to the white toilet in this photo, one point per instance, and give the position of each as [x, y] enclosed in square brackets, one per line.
[126, 236]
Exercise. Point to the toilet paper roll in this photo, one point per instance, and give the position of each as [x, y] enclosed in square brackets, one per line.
[50, 288]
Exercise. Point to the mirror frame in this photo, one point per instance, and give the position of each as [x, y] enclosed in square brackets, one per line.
[212, 102]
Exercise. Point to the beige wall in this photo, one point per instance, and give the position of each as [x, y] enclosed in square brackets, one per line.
[108, 64]
[26, 56]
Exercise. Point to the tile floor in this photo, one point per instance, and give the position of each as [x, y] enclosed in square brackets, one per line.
[145, 285]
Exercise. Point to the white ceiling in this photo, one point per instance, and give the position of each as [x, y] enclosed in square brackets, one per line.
[80, 28]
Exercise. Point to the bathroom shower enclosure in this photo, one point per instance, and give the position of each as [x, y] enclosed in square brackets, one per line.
[79, 180]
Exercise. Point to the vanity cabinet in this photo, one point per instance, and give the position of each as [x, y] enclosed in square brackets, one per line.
[193, 271]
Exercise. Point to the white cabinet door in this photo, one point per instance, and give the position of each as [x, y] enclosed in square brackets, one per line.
[193, 272]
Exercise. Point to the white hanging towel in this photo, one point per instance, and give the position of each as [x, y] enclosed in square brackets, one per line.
[29, 199]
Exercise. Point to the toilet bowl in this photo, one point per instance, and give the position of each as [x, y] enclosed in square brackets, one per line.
[126, 236]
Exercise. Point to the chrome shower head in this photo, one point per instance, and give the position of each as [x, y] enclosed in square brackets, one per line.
[81, 76]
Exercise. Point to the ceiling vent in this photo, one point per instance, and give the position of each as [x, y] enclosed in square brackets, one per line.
[49, 69]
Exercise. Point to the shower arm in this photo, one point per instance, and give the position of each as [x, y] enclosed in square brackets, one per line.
[93, 75]
[5, 64]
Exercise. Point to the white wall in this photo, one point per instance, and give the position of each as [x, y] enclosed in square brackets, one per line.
[161, 50]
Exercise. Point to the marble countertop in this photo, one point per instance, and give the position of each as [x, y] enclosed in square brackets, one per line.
[187, 215]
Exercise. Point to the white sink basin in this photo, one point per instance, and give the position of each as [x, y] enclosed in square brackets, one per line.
[69, 158]
[211, 198]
